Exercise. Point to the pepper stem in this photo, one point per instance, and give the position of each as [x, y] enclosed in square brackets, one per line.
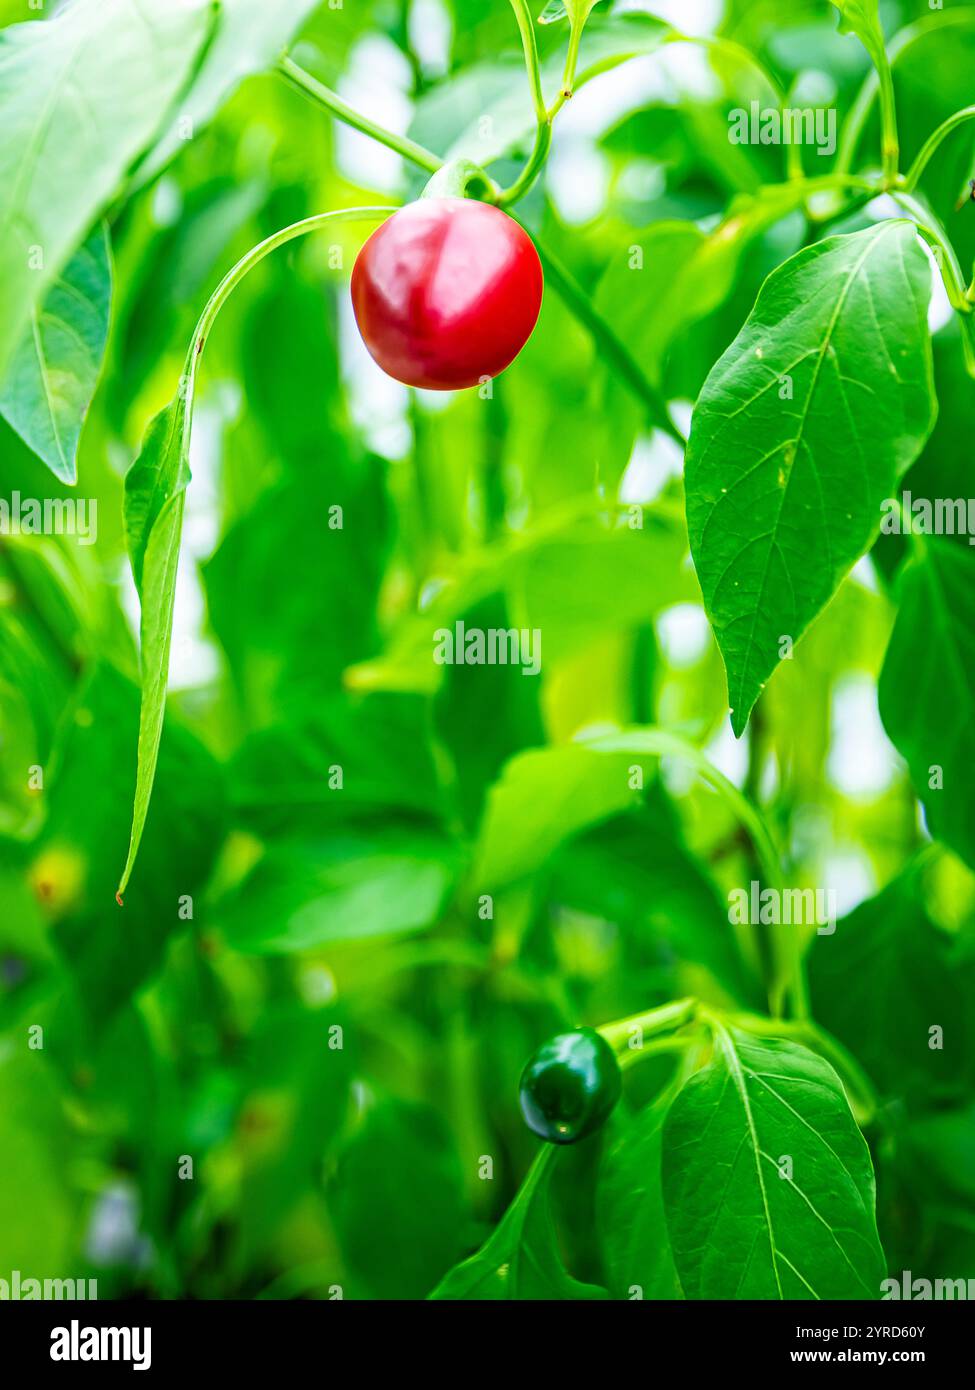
[461, 179]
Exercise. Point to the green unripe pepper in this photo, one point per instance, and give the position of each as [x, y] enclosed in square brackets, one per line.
[569, 1086]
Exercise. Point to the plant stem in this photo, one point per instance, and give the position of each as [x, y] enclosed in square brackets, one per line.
[931, 144]
[402, 144]
[531, 171]
[890, 152]
[660, 1020]
[944, 253]
[264, 248]
[899, 44]
[569, 75]
[527, 31]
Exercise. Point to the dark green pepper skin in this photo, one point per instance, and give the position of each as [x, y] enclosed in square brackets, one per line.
[569, 1086]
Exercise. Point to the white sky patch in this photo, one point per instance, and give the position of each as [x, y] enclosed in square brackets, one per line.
[654, 461]
[377, 403]
[578, 180]
[376, 83]
[849, 874]
[690, 16]
[683, 634]
[862, 761]
[730, 754]
[193, 661]
[940, 311]
[864, 573]
[431, 33]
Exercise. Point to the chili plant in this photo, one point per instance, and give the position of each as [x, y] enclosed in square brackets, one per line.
[555, 877]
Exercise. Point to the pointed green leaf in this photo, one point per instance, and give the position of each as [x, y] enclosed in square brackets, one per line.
[55, 367]
[767, 1181]
[155, 491]
[803, 427]
[927, 687]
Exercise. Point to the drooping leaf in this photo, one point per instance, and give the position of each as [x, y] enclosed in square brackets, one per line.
[928, 704]
[802, 429]
[251, 35]
[155, 495]
[54, 370]
[521, 1260]
[768, 1184]
[81, 96]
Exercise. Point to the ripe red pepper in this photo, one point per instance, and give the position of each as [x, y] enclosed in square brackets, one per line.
[446, 293]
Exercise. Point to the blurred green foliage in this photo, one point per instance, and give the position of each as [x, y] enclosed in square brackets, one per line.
[370, 886]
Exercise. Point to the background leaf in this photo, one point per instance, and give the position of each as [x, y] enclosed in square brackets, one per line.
[54, 370]
[928, 704]
[81, 96]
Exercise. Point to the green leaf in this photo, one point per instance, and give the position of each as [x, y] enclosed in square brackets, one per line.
[804, 426]
[882, 981]
[547, 795]
[521, 1260]
[630, 1211]
[341, 887]
[155, 493]
[768, 1184]
[927, 696]
[81, 96]
[52, 375]
[544, 796]
[251, 35]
